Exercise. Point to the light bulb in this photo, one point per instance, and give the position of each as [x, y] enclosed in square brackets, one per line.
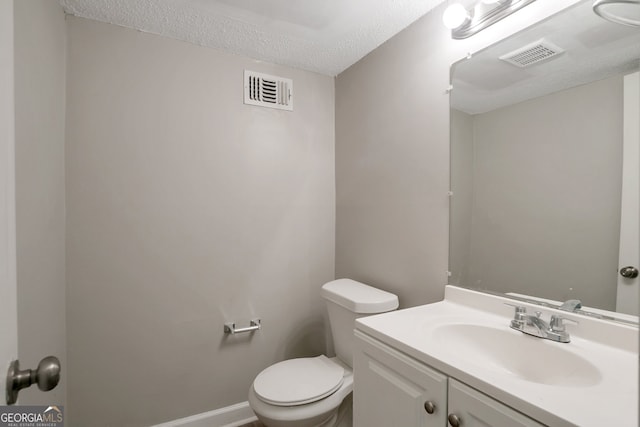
[454, 16]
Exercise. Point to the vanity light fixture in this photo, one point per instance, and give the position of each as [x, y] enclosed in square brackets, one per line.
[465, 23]
[455, 15]
[625, 12]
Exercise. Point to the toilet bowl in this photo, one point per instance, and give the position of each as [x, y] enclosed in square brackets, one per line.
[316, 391]
[310, 412]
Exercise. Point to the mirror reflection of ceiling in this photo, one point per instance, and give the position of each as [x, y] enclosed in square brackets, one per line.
[325, 36]
[594, 49]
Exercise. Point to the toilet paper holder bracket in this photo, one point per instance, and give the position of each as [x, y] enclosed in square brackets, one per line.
[230, 327]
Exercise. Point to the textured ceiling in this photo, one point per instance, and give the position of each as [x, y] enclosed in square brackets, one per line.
[594, 49]
[324, 36]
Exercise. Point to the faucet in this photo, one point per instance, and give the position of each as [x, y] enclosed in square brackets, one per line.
[571, 305]
[536, 326]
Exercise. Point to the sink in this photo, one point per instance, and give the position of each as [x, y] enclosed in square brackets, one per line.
[591, 381]
[514, 353]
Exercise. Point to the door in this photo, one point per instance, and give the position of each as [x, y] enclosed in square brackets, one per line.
[629, 255]
[391, 389]
[8, 307]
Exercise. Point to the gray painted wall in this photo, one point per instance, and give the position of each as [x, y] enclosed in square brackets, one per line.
[187, 209]
[392, 163]
[40, 62]
[546, 195]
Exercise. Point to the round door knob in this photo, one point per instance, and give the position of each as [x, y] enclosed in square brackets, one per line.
[629, 272]
[430, 407]
[47, 375]
[454, 420]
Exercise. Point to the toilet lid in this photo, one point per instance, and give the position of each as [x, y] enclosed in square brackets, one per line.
[298, 381]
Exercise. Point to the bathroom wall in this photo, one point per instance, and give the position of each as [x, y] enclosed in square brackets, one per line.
[392, 155]
[532, 192]
[392, 162]
[187, 209]
[40, 61]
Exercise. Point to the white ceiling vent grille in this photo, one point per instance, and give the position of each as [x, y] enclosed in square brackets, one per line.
[268, 91]
[533, 53]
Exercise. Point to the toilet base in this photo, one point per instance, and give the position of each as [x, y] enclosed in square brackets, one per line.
[343, 417]
[345, 412]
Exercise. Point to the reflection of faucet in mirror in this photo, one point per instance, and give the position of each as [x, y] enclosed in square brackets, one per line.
[571, 305]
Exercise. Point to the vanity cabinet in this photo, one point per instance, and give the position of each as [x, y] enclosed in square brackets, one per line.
[393, 389]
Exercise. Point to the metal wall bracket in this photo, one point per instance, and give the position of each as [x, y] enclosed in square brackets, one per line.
[230, 328]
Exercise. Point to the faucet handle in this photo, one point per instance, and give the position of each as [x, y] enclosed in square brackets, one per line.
[519, 316]
[557, 323]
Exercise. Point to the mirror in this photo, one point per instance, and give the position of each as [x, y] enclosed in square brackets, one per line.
[536, 160]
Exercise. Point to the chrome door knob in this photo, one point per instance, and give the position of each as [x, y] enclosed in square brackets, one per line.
[629, 272]
[46, 375]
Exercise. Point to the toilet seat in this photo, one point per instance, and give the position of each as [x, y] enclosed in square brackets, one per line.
[299, 381]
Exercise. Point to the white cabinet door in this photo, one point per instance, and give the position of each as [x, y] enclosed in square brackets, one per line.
[474, 409]
[391, 389]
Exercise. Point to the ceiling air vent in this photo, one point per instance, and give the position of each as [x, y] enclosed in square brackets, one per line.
[532, 54]
[268, 91]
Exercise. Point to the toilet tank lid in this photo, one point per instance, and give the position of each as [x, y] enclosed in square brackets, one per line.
[358, 297]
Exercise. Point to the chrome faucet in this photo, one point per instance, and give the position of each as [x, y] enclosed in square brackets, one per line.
[536, 326]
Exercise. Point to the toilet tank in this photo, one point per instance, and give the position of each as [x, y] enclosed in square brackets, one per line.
[348, 300]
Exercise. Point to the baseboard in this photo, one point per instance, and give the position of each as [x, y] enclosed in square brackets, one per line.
[230, 416]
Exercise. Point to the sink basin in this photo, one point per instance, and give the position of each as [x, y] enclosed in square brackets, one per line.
[514, 353]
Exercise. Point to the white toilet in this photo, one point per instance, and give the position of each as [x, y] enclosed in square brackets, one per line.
[316, 391]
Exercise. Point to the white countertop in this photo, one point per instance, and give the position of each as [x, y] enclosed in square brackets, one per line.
[611, 400]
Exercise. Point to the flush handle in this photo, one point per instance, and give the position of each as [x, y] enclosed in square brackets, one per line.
[629, 272]
[47, 376]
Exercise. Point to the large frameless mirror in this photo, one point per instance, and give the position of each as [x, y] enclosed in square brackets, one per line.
[537, 147]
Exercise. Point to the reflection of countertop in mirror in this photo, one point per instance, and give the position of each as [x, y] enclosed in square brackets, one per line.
[630, 318]
[591, 381]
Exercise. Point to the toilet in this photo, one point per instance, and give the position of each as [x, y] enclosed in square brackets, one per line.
[316, 391]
